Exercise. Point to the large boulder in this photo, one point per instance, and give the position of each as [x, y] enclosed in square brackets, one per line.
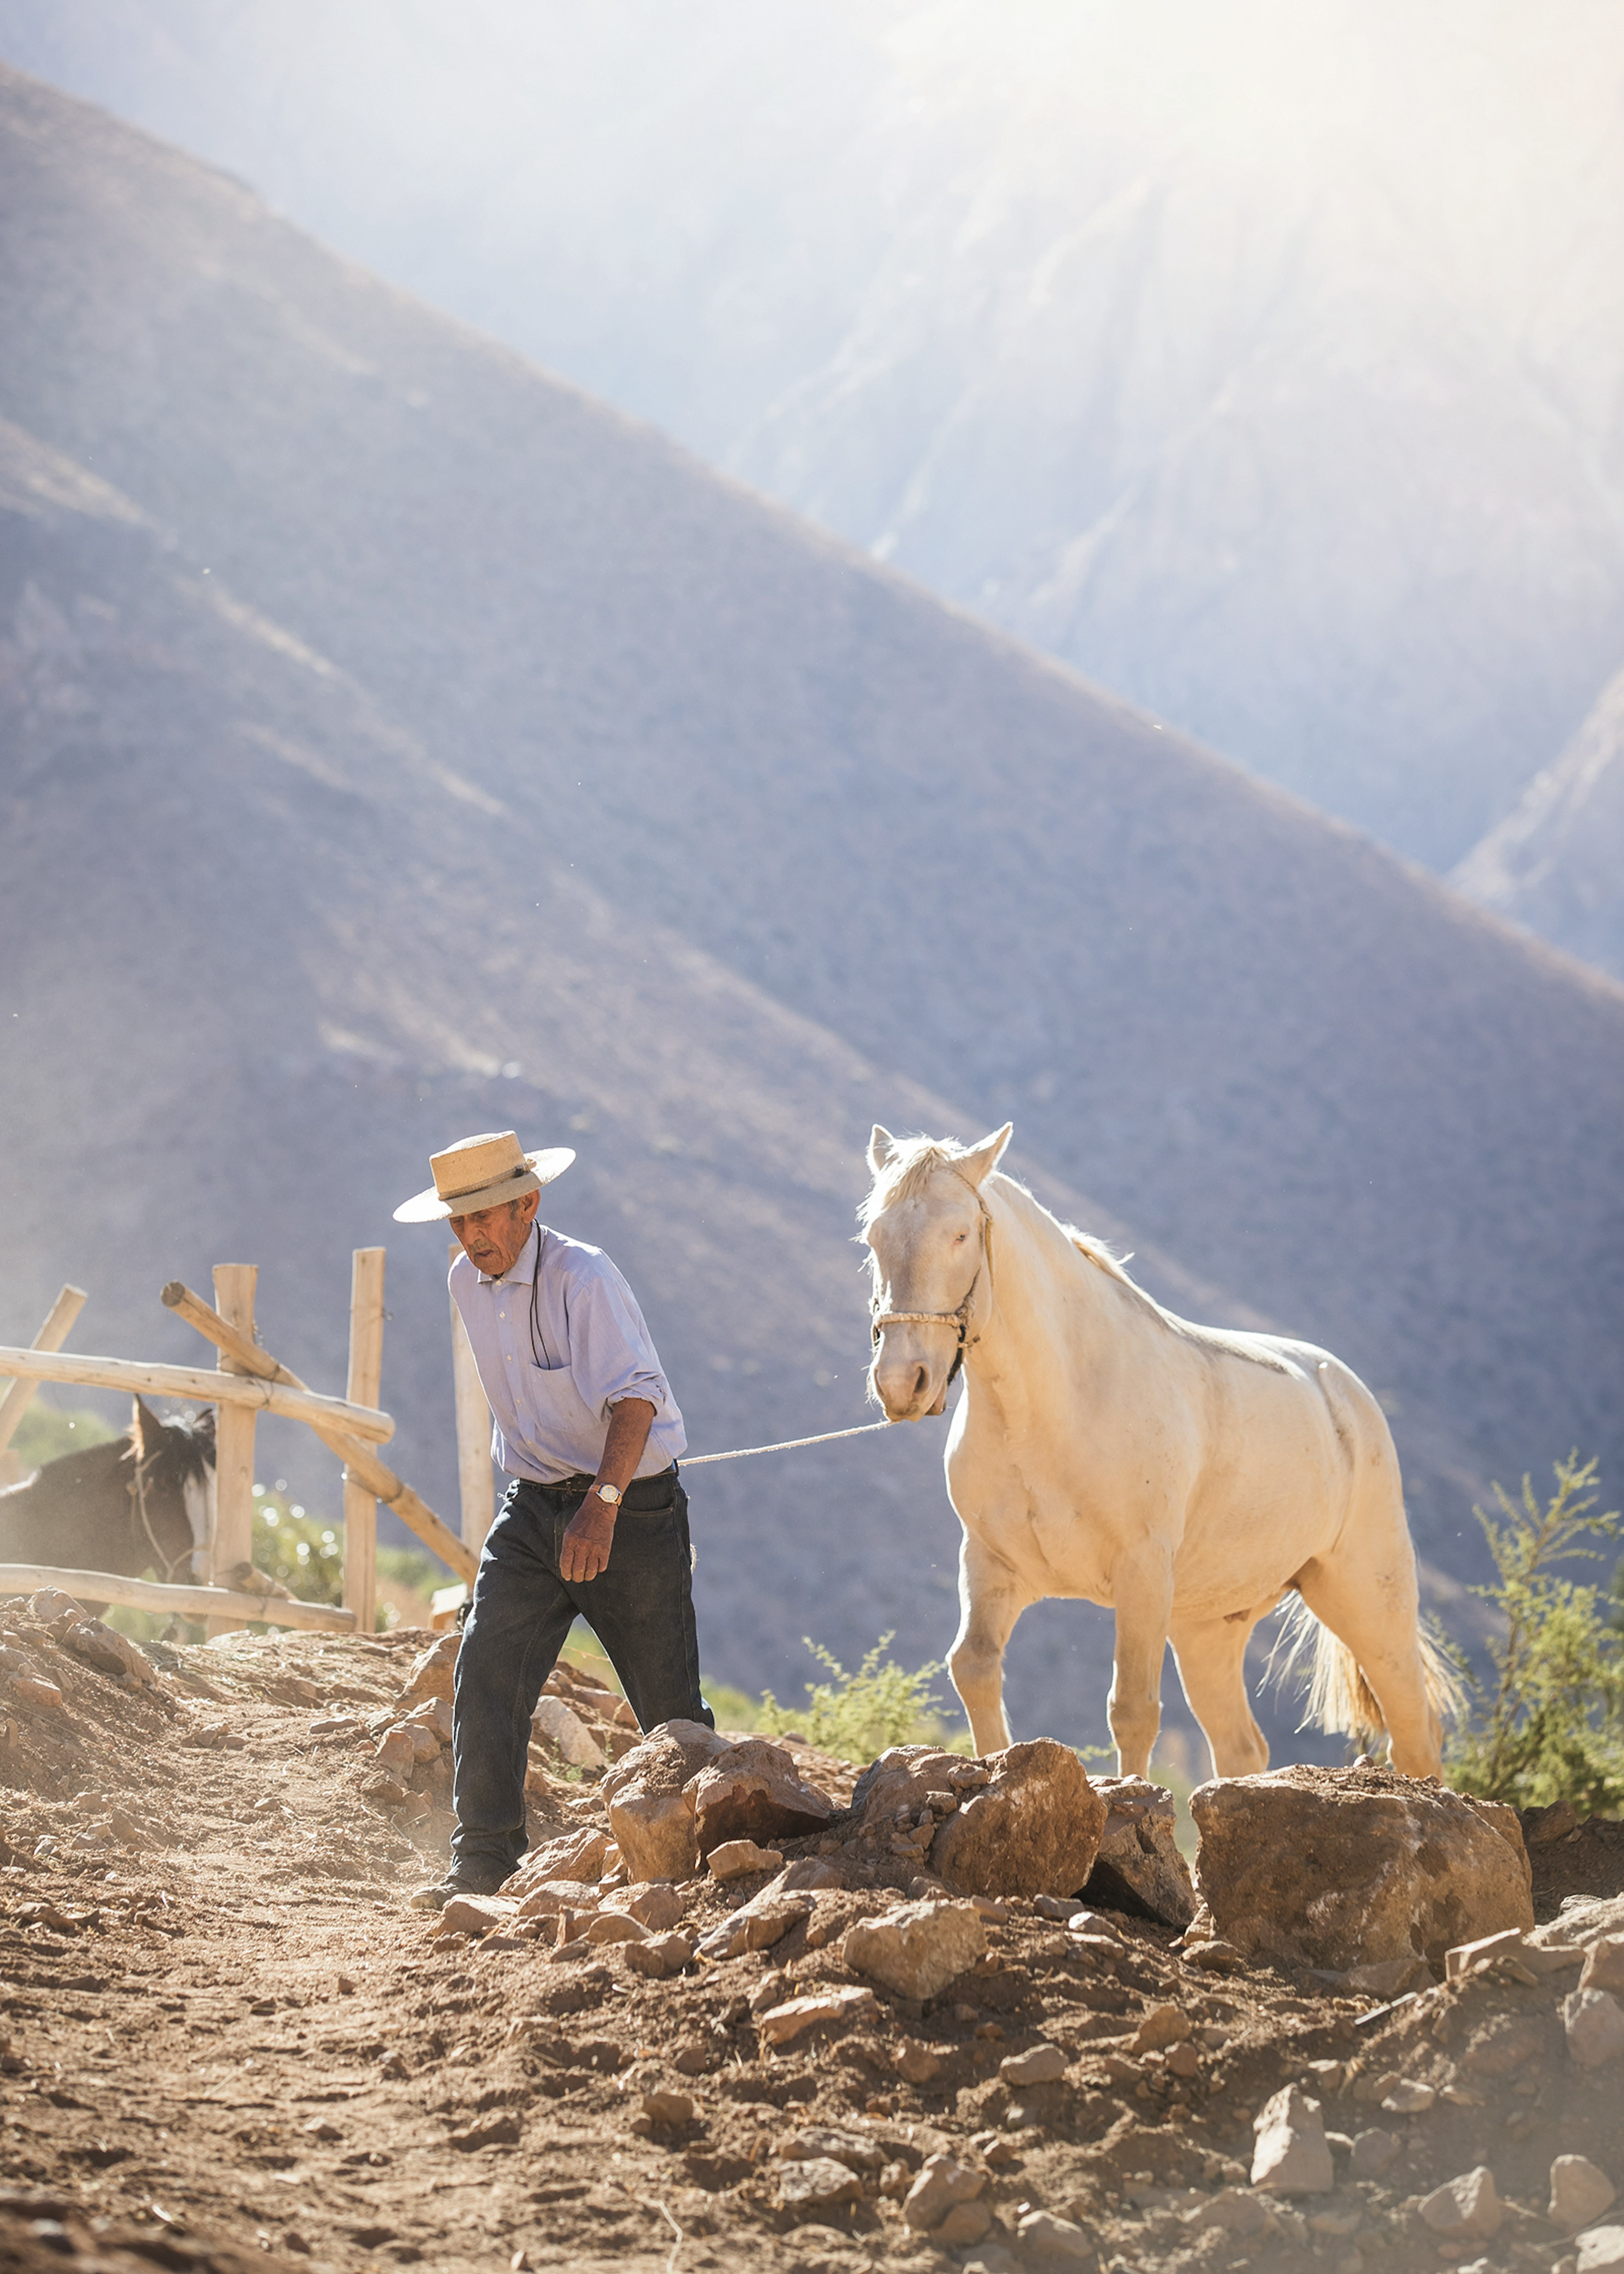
[651, 1801]
[1338, 1868]
[1033, 1829]
[1139, 1868]
[752, 1791]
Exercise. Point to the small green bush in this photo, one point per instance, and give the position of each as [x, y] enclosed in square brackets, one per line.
[46, 1433]
[855, 1716]
[1549, 1723]
[304, 1552]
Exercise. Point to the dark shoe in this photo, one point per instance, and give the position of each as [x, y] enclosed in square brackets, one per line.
[439, 1892]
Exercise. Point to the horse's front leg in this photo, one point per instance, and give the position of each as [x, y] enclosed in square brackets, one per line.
[1143, 1593]
[991, 1601]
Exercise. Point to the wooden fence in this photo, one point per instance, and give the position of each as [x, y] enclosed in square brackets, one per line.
[247, 1381]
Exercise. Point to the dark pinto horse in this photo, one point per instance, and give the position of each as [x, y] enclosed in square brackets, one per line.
[140, 1503]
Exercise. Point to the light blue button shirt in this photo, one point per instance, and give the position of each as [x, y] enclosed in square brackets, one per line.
[552, 1367]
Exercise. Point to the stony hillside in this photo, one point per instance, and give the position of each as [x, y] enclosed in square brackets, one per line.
[390, 716]
[1556, 862]
[226, 2041]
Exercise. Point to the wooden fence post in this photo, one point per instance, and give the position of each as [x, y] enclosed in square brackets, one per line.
[234, 1440]
[365, 1378]
[15, 1397]
[473, 1429]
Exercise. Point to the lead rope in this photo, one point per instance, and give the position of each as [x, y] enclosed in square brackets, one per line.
[789, 1445]
[960, 1318]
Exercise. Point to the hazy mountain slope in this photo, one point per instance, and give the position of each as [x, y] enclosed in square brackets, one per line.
[262, 956]
[1264, 363]
[1556, 862]
[1318, 1079]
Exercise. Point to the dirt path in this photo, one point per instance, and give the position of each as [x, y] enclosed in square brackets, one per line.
[243, 2043]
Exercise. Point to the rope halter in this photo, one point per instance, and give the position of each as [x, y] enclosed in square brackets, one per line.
[960, 1317]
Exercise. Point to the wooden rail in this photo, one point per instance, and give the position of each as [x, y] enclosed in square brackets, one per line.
[225, 1604]
[58, 1324]
[361, 1465]
[269, 1395]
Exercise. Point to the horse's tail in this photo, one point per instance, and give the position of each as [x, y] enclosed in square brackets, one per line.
[1340, 1699]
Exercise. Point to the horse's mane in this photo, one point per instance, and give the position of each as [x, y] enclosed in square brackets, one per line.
[915, 1160]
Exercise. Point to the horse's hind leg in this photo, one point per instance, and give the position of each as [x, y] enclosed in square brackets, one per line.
[1212, 1667]
[1366, 1595]
[989, 1602]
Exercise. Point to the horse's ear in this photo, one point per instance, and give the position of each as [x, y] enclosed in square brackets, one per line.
[882, 1145]
[984, 1159]
[146, 1429]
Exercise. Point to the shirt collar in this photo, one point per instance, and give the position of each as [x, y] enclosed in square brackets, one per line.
[522, 1272]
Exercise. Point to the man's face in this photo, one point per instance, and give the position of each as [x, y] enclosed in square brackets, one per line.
[492, 1237]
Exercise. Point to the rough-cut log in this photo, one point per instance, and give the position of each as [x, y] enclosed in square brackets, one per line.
[58, 1325]
[232, 1541]
[473, 1428]
[361, 1465]
[160, 1595]
[201, 1384]
[362, 1388]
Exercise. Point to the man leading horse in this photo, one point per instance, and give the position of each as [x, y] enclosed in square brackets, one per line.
[595, 1521]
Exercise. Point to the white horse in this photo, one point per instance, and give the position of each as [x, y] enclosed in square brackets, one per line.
[1105, 1449]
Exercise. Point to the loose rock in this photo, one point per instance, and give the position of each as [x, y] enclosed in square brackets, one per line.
[942, 2182]
[110, 1652]
[1292, 2155]
[757, 1925]
[1139, 1868]
[738, 1859]
[780, 2025]
[818, 2184]
[1465, 2209]
[1601, 2251]
[1162, 2025]
[1604, 1967]
[574, 1856]
[659, 1955]
[1594, 2022]
[1057, 2241]
[917, 1950]
[662, 2107]
[855, 2149]
[650, 1800]
[1340, 1868]
[753, 1791]
[1033, 1828]
[1579, 2192]
[1040, 2065]
[567, 1734]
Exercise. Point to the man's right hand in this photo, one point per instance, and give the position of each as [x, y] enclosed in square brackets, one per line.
[587, 1539]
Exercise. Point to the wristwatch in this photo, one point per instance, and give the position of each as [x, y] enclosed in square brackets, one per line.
[610, 1494]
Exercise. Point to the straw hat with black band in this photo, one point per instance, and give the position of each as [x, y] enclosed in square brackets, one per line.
[482, 1172]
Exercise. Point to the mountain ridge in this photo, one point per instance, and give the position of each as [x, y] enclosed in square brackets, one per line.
[1311, 1080]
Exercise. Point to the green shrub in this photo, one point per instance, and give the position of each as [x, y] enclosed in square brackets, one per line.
[304, 1552]
[46, 1433]
[855, 1716]
[1548, 1724]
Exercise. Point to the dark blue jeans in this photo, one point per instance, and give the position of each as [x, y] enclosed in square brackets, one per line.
[641, 1607]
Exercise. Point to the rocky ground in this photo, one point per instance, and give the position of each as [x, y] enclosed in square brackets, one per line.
[226, 2036]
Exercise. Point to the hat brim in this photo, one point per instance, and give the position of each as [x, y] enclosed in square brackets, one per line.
[429, 1207]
